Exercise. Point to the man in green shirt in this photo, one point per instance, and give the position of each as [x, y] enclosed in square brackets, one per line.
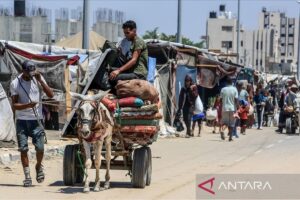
[137, 56]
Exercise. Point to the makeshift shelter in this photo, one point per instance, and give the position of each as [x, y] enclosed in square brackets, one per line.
[168, 64]
[7, 131]
[61, 67]
[96, 41]
[174, 61]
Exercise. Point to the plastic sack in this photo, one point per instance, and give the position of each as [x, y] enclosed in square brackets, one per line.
[251, 110]
[198, 116]
[198, 105]
[211, 114]
[177, 123]
[137, 88]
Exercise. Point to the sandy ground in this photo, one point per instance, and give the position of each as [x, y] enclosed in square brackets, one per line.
[176, 162]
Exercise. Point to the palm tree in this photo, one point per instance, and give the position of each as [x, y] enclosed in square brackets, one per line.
[151, 34]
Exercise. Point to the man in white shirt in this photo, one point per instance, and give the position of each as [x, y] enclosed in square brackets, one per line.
[26, 91]
[229, 97]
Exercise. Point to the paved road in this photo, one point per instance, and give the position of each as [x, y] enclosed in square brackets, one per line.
[175, 165]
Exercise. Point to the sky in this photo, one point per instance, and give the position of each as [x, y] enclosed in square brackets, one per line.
[163, 13]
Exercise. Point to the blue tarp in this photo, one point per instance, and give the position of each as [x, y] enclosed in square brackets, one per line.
[181, 72]
[151, 69]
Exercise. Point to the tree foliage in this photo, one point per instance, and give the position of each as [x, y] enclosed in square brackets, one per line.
[154, 34]
[151, 34]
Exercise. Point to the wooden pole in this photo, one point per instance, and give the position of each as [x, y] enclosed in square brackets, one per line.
[68, 88]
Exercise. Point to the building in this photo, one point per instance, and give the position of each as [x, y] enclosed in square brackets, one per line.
[272, 48]
[33, 29]
[276, 42]
[221, 31]
[108, 23]
[67, 25]
[25, 24]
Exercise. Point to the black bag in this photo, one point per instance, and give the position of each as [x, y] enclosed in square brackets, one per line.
[101, 80]
[177, 123]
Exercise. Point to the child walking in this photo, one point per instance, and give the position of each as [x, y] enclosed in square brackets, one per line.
[243, 115]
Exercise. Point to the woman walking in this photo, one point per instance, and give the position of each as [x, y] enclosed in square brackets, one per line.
[186, 103]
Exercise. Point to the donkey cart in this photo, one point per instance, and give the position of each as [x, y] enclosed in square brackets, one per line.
[129, 151]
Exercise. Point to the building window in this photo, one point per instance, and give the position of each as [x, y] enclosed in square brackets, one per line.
[241, 61]
[260, 62]
[256, 62]
[242, 43]
[227, 28]
[282, 61]
[227, 44]
[261, 45]
[256, 44]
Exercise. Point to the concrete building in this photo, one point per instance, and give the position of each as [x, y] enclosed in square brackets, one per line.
[221, 31]
[25, 29]
[66, 28]
[272, 48]
[108, 23]
[32, 25]
[7, 22]
[279, 40]
[67, 24]
[31, 29]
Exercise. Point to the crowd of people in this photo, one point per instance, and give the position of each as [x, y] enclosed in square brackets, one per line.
[239, 107]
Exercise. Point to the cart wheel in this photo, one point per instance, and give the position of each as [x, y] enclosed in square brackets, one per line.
[288, 125]
[140, 167]
[69, 165]
[72, 173]
[149, 171]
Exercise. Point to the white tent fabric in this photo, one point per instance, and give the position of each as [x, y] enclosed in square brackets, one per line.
[165, 130]
[7, 130]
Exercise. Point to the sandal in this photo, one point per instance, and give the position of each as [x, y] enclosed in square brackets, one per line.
[27, 182]
[40, 175]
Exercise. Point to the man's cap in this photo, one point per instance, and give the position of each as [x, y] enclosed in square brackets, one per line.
[28, 66]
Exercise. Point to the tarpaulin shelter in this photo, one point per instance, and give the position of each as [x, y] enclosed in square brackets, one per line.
[174, 61]
[55, 64]
[96, 41]
[7, 131]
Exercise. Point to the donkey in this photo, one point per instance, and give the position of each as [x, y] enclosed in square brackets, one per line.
[94, 127]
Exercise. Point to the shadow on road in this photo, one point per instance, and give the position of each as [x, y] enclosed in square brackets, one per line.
[217, 140]
[13, 185]
[57, 183]
[71, 190]
[120, 185]
[79, 187]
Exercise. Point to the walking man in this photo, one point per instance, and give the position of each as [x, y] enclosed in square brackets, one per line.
[229, 98]
[26, 91]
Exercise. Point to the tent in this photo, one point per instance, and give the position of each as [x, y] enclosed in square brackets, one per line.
[55, 64]
[174, 61]
[7, 131]
[96, 41]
